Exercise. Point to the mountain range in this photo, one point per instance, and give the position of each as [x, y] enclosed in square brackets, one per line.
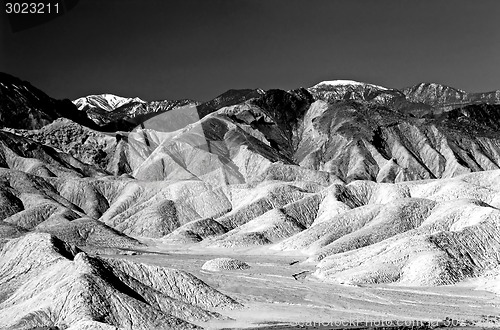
[371, 184]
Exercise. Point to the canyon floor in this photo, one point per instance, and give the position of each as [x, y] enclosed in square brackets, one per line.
[274, 299]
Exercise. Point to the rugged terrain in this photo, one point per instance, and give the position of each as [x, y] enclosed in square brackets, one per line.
[363, 185]
[45, 282]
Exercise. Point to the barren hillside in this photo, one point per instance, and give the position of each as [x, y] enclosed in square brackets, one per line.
[371, 185]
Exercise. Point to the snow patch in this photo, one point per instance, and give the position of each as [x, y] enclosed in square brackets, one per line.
[107, 102]
[342, 82]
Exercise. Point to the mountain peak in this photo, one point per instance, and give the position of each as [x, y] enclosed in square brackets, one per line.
[346, 82]
[108, 102]
[436, 86]
[117, 98]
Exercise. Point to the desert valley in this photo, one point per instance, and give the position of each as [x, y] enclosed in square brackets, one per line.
[342, 201]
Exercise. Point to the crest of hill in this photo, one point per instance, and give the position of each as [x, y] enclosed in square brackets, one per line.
[46, 283]
[68, 209]
[26, 107]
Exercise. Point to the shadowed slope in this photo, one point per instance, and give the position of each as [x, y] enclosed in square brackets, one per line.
[24, 106]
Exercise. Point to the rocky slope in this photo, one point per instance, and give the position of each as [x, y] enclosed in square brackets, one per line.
[375, 185]
[25, 155]
[351, 139]
[44, 282]
[24, 106]
[85, 144]
[370, 224]
[448, 97]
[352, 130]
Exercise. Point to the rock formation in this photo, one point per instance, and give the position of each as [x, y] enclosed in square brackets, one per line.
[219, 264]
[373, 184]
[44, 282]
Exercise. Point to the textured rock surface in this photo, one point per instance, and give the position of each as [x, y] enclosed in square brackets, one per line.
[447, 231]
[375, 184]
[44, 282]
[446, 96]
[224, 264]
[34, 203]
[346, 139]
[342, 129]
[84, 144]
[22, 154]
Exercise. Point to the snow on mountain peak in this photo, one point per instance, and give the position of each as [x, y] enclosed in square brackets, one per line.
[116, 100]
[108, 102]
[343, 82]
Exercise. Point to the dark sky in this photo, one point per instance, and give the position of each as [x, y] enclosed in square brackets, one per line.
[169, 49]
